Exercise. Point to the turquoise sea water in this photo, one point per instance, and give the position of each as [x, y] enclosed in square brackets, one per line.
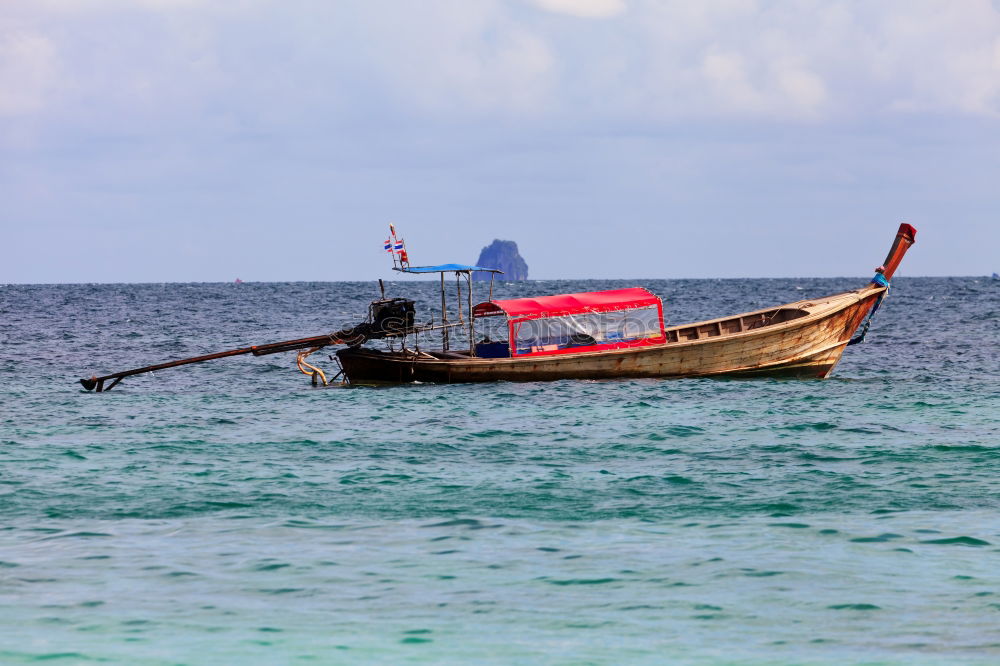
[231, 513]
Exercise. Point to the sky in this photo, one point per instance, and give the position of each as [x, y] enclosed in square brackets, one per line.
[197, 140]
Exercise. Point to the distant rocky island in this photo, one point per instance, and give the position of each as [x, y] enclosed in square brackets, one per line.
[503, 255]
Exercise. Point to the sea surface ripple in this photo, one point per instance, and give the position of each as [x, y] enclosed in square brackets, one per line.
[229, 512]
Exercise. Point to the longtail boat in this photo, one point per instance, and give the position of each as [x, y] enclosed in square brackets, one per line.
[593, 335]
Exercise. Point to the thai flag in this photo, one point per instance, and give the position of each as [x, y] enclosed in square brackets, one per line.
[398, 247]
[388, 245]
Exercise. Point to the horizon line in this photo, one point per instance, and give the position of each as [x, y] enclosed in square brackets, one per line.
[550, 279]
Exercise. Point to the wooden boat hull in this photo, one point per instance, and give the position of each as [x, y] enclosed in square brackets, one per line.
[808, 344]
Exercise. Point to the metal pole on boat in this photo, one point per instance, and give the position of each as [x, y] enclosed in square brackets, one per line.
[472, 337]
[444, 317]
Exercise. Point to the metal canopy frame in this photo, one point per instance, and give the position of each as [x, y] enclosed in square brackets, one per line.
[460, 271]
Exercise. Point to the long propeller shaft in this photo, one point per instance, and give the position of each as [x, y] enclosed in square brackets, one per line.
[257, 350]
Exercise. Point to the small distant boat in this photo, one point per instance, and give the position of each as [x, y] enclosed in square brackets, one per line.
[592, 335]
[996, 277]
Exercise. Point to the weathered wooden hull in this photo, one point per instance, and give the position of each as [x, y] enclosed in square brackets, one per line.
[808, 345]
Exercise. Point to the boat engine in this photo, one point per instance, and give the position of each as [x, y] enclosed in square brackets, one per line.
[386, 317]
[391, 316]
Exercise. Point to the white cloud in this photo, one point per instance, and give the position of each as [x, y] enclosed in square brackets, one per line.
[28, 66]
[935, 57]
[727, 77]
[92, 6]
[583, 8]
[809, 60]
[181, 61]
[456, 58]
[804, 89]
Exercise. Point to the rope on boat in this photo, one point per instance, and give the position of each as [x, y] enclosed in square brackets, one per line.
[880, 280]
[306, 369]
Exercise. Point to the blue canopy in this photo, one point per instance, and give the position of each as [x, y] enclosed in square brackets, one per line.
[445, 268]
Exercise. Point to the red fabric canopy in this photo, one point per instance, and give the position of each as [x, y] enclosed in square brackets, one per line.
[565, 304]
